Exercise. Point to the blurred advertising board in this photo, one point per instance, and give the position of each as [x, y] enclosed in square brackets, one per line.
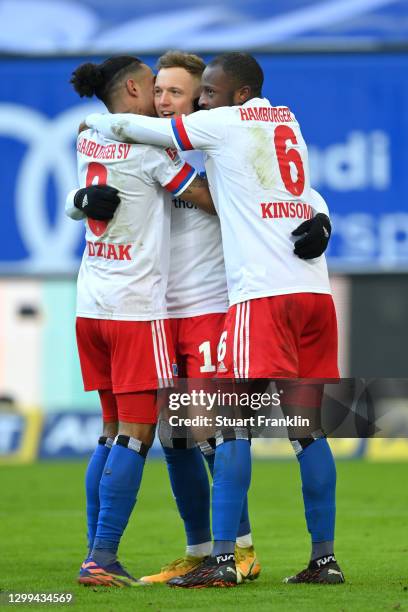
[352, 114]
[31, 435]
[363, 418]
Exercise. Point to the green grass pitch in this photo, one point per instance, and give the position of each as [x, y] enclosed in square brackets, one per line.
[42, 526]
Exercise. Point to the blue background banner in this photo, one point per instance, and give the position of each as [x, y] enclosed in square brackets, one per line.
[352, 110]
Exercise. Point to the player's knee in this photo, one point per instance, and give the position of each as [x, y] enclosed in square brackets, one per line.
[170, 437]
[174, 437]
[139, 431]
[133, 443]
[230, 434]
[165, 434]
[300, 445]
[110, 429]
[207, 447]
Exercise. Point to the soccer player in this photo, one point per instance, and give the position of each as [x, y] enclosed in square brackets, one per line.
[197, 301]
[281, 322]
[123, 334]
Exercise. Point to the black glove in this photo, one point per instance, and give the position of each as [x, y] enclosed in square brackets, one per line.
[316, 237]
[98, 202]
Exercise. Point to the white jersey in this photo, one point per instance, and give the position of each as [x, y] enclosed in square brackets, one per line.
[124, 269]
[258, 173]
[197, 283]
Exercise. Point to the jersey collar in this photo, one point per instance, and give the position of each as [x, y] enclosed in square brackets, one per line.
[257, 102]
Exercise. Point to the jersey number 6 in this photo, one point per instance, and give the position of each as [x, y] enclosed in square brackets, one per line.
[283, 133]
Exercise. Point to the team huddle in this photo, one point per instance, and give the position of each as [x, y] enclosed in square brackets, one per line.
[203, 258]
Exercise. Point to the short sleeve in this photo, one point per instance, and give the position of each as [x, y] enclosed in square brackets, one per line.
[70, 209]
[204, 130]
[165, 166]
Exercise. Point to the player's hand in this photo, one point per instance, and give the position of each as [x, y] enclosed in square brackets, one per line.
[98, 202]
[315, 237]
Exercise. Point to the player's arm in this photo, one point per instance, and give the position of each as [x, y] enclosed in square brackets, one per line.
[98, 202]
[202, 130]
[314, 233]
[165, 166]
[70, 209]
[198, 193]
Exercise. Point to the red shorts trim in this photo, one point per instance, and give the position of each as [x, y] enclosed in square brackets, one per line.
[196, 340]
[284, 336]
[125, 356]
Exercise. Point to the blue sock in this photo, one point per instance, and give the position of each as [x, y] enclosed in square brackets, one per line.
[92, 479]
[232, 476]
[210, 459]
[244, 524]
[190, 486]
[318, 472]
[117, 494]
[223, 547]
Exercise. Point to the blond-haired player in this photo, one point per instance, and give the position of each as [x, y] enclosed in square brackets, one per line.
[197, 300]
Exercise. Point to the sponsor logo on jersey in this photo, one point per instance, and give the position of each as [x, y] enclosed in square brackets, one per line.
[109, 251]
[288, 210]
[179, 203]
